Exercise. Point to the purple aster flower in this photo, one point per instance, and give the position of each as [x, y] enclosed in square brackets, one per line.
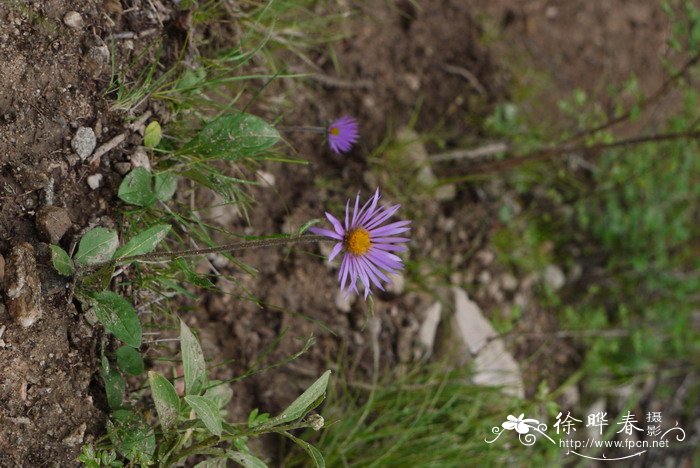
[342, 134]
[367, 244]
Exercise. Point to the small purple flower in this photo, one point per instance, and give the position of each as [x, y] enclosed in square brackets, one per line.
[368, 244]
[342, 134]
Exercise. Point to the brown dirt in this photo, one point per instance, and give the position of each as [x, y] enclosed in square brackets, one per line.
[392, 63]
[51, 83]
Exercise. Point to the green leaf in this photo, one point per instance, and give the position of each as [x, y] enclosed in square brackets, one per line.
[166, 185]
[305, 227]
[192, 361]
[130, 360]
[219, 462]
[232, 137]
[152, 135]
[131, 436]
[246, 459]
[208, 411]
[144, 242]
[96, 246]
[118, 316]
[165, 398]
[61, 261]
[313, 452]
[136, 188]
[310, 399]
[220, 393]
[114, 384]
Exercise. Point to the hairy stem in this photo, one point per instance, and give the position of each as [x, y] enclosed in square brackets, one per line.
[245, 245]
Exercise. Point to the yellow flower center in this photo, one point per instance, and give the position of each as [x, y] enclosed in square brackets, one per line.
[334, 131]
[357, 241]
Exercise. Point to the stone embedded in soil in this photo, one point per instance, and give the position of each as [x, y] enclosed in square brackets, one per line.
[52, 223]
[428, 329]
[396, 283]
[554, 278]
[84, 142]
[122, 168]
[73, 20]
[493, 364]
[94, 181]
[2, 270]
[140, 159]
[22, 286]
[96, 60]
[344, 301]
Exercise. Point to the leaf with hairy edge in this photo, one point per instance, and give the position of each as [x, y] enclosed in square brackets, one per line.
[165, 185]
[313, 452]
[118, 316]
[61, 261]
[137, 188]
[165, 398]
[130, 360]
[310, 399]
[144, 242]
[208, 411]
[232, 137]
[192, 361]
[96, 246]
[131, 436]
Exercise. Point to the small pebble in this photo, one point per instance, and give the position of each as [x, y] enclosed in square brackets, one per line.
[96, 60]
[140, 159]
[73, 20]
[94, 181]
[52, 223]
[122, 168]
[84, 142]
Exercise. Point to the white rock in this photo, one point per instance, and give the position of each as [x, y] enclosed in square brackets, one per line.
[396, 284]
[140, 159]
[554, 278]
[344, 301]
[474, 329]
[84, 142]
[94, 181]
[493, 364]
[267, 178]
[509, 282]
[428, 329]
[73, 20]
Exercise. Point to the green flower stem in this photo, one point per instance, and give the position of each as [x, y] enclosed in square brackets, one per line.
[245, 245]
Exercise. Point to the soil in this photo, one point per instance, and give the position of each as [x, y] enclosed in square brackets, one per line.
[396, 59]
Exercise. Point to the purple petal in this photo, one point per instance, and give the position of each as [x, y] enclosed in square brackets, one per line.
[336, 250]
[379, 218]
[390, 240]
[336, 224]
[326, 232]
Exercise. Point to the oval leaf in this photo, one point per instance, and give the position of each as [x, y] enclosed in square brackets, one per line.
[232, 137]
[208, 411]
[307, 401]
[166, 185]
[165, 398]
[136, 188]
[61, 261]
[152, 135]
[96, 246]
[118, 316]
[246, 459]
[312, 451]
[132, 437]
[130, 360]
[144, 242]
[192, 361]
[114, 385]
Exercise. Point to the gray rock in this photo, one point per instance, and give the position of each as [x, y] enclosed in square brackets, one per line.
[73, 19]
[554, 278]
[122, 168]
[140, 159]
[84, 142]
[52, 223]
[428, 329]
[94, 181]
[22, 286]
[493, 364]
[96, 60]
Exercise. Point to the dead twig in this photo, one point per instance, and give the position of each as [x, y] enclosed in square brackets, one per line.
[110, 145]
[474, 153]
[467, 75]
